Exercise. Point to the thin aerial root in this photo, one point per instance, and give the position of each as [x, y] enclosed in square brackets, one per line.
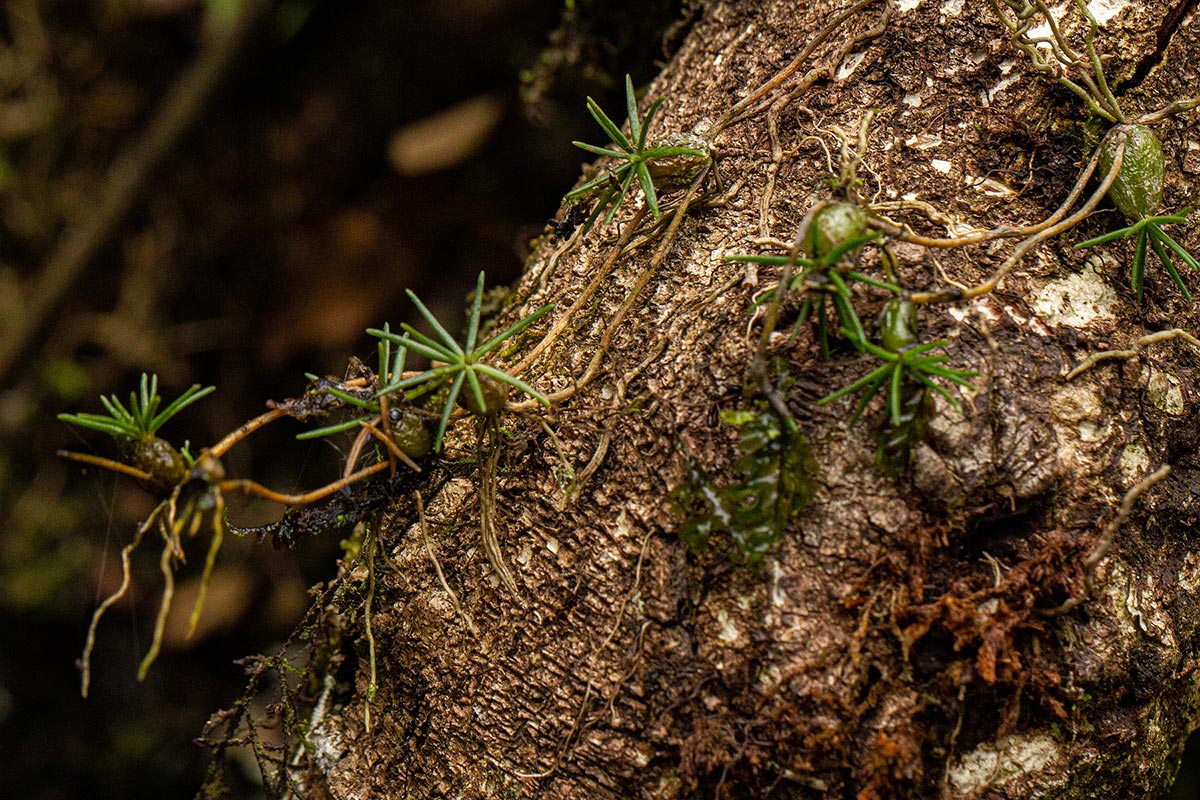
[591, 467]
[569, 317]
[356, 448]
[385, 413]
[437, 567]
[651, 268]
[392, 447]
[126, 582]
[593, 367]
[568, 468]
[741, 110]
[244, 430]
[1028, 244]
[1133, 352]
[258, 490]
[210, 560]
[978, 237]
[164, 607]
[487, 506]
[1178, 107]
[372, 542]
[106, 463]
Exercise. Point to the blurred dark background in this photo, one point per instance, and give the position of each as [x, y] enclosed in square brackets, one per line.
[349, 151]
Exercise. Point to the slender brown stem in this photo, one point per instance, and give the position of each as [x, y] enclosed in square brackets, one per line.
[1145, 341]
[1000, 231]
[245, 429]
[741, 109]
[568, 317]
[392, 447]
[108, 602]
[107, 463]
[360, 441]
[1108, 537]
[258, 490]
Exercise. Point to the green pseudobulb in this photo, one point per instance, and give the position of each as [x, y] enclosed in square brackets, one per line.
[677, 172]
[410, 434]
[833, 226]
[161, 461]
[898, 325]
[495, 397]
[1137, 190]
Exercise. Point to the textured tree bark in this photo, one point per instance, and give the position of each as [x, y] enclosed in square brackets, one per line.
[895, 644]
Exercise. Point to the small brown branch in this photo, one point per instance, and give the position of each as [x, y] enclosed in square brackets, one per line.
[742, 109]
[437, 567]
[245, 429]
[258, 490]
[1018, 253]
[107, 463]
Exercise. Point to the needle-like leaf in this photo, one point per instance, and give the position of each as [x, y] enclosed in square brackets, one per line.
[459, 364]
[633, 159]
[1150, 235]
[142, 419]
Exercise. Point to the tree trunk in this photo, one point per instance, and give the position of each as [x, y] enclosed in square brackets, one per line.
[900, 641]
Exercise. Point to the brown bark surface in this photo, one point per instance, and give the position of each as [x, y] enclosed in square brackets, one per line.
[892, 644]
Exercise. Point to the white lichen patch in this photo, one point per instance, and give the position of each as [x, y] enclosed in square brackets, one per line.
[912, 100]
[1140, 599]
[1013, 313]
[905, 6]
[770, 676]
[729, 632]
[924, 141]
[1164, 392]
[1189, 576]
[952, 8]
[1000, 86]
[1104, 10]
[992, 765]
[1077, 300]
[1042, 33]
[1135, 461]
[988, 186]
[849, 64]
[779, 596]
[941, 166]
[1191, 159]
[1082, 408]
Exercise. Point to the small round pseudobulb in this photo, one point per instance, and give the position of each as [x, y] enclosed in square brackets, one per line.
[833, 226]
[495, 396]
[898, 325]
[677, 172]
[161, 461]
